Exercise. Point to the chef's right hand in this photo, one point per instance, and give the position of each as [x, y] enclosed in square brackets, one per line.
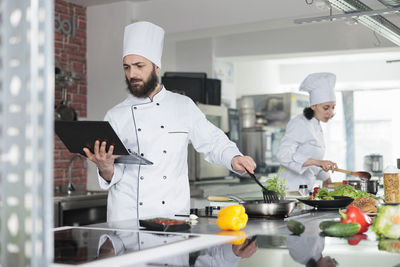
[327, 165]
[102, 158]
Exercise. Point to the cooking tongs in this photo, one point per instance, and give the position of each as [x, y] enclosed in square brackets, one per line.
[268, 195]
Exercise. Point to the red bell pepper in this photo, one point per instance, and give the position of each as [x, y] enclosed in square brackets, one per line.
[355, 239]
[354, 214]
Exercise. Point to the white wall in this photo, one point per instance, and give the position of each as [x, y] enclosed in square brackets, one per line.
[275, 76]
[105, 88]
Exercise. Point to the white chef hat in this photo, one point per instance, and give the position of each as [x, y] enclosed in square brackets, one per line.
[144, 39]
[320, 86]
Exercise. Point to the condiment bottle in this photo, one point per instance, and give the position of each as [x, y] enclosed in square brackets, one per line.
[303, 189]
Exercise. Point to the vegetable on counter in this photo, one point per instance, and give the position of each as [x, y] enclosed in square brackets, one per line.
[325, 224]
[232, 217]
[342, 229]
[387, 222]
[355, 215]
[295, 227]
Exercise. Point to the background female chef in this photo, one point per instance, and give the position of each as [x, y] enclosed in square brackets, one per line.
[157, 124]
[302, 148]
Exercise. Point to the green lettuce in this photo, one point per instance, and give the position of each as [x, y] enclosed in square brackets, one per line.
[387, 222]
[345, 190]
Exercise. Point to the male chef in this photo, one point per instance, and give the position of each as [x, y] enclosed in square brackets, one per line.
[157, 124]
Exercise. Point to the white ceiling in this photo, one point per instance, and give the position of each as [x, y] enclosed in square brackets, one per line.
[212, 14]
[206, 14]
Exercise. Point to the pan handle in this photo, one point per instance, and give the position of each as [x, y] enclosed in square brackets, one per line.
[228, 198]
[218, 198]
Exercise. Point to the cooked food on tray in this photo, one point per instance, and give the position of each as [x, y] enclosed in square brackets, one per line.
[366, 204]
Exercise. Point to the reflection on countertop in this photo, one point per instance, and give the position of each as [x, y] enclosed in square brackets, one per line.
[125, 243]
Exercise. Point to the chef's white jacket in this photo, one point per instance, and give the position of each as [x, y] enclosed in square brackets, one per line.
[160, 130]
[127, 242]
[303, 139]
[304, 248]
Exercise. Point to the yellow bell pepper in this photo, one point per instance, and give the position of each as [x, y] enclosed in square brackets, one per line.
[232, 217]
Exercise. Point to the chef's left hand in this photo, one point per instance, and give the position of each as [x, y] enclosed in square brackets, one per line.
[243, 163]
[245, 250]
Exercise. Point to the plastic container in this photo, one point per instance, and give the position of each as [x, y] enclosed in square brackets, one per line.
[391, 184]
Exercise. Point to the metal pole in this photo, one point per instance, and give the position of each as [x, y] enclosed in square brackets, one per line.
[26, 132]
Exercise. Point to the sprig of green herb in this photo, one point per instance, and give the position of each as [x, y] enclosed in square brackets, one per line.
[276, 185]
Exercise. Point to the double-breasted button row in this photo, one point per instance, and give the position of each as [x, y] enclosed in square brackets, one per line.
[142, 177]
[141, 203]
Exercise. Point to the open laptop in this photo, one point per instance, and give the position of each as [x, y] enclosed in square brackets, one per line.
[79, 134]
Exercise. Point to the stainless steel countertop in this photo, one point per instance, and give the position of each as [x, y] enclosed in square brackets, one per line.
[273, 241]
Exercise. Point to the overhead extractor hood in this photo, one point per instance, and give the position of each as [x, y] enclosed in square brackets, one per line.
[357, 10]
[391, 3]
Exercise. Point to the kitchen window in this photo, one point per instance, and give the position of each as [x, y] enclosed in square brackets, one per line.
[376, 128]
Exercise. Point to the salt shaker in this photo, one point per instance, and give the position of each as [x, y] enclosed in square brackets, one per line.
[303, 189]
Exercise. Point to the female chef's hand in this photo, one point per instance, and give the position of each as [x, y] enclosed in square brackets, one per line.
[243, 163]
[326, 165]
[102, 158]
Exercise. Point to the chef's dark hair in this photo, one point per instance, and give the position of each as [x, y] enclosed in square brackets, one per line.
[308, 113]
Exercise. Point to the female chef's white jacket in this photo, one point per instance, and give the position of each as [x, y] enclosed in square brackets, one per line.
[303, 139]
[160, 130]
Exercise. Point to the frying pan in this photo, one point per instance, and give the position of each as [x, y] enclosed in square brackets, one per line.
[259, 208]
[65, 112]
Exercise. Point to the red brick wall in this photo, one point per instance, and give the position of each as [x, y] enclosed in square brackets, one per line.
[70, 55]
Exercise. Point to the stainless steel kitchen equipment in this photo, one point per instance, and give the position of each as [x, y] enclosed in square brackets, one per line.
[374, 164]
[80, 208]
[247, 112]
[259, 208]
[355, 183]
[262, 145]
[372, 186]
[277, 109]
[199, 168]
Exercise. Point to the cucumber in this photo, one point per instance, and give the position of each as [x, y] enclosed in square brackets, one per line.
[295, 227]
[342, 229]
[325, 224]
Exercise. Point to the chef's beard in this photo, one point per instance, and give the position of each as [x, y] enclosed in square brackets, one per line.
[146, 89]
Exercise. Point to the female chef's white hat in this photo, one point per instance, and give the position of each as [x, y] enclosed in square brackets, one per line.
[320, 86]
[144, 39]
